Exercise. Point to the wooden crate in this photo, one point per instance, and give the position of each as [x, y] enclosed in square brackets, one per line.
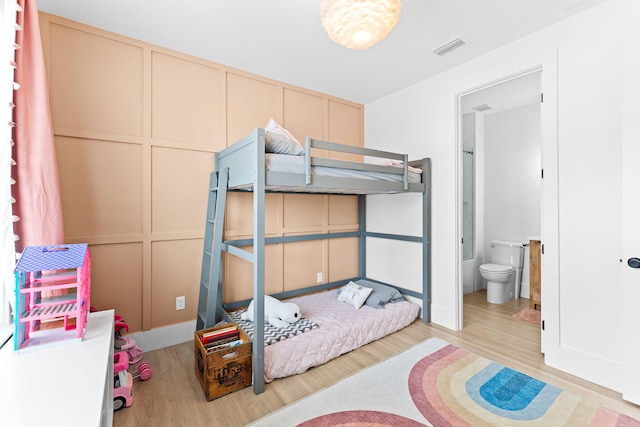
[223, 371]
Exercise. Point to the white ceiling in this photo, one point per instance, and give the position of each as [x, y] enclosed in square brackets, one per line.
[283, 39]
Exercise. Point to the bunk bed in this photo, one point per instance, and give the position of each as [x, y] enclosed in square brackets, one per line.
[246, 166]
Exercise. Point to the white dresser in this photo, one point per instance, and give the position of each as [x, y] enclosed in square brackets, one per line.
[68, 384]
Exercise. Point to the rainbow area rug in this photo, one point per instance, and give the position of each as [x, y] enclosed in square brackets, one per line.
[439, 384]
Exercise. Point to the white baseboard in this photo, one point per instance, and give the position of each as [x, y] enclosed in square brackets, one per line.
[165, 336]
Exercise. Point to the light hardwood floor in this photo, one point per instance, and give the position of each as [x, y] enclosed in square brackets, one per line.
[173, 397]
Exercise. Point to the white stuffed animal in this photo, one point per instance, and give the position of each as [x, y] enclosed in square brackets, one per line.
[277, 313]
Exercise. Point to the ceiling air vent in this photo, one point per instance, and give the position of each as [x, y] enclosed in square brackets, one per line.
[448, 47]
[483, 107]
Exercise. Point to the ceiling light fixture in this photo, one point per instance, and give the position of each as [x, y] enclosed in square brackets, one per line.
[359, 24]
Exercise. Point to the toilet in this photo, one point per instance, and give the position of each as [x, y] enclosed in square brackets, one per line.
[504, 273]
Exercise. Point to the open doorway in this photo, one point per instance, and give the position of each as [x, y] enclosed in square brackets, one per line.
[500, 184]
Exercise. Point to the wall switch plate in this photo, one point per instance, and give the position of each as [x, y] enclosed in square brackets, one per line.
[180, 303]
[319, 279]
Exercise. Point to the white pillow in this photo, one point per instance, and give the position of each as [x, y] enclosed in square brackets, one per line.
[281, 141]
[354, 294]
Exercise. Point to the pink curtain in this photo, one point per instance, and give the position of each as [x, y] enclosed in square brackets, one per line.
[37, 190]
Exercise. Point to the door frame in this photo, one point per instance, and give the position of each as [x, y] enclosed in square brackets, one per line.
[546, 138]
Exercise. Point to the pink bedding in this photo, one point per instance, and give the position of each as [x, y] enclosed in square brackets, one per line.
[341, 328]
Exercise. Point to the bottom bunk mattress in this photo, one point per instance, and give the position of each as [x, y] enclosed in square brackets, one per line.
[340, 329]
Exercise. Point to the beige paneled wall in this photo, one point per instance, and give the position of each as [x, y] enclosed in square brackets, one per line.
[136, 127]
[89, 75]
[250, 100]
[296, 265]
[186, 101]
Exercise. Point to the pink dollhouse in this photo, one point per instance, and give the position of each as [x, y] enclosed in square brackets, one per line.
[52, 294]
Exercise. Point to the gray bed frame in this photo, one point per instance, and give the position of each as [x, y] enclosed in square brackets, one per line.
[241, 167]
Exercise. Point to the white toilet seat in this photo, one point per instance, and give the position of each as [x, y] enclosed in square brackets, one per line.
[496, 268]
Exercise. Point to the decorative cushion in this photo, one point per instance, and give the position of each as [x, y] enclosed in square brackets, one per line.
[354, 294]
[280, 141]
[381, 294]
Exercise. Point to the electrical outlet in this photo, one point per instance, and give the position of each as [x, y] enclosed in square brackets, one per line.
[180, 303]
[319, 279]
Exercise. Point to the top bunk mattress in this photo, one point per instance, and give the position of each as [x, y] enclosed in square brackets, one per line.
[293, 172]
[341, 328]
[295, 164]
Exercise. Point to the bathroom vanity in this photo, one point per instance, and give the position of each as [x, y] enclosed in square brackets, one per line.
[535, 258]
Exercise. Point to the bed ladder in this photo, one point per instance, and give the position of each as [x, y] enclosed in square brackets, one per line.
[211, 276]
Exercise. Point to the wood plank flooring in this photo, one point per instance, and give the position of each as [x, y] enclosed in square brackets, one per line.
[173, 397]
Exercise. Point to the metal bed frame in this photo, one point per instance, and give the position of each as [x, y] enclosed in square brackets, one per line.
[241, 167]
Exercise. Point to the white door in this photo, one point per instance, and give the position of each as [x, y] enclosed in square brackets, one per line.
[631, 215]
[590, 297]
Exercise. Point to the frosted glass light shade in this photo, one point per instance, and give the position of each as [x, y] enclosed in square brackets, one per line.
[359, 24]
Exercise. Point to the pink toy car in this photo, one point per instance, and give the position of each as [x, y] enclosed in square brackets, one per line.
[122, 381]
[122, 390]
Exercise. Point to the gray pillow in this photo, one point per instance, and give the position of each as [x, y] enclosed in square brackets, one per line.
[381, 294]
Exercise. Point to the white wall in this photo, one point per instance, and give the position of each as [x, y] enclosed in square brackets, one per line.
[512, 183]
[582, 73]
[421, 120]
